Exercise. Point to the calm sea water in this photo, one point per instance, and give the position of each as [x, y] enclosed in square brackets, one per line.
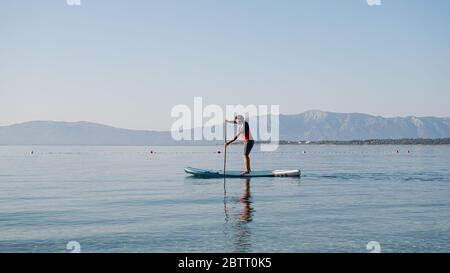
[124, 199]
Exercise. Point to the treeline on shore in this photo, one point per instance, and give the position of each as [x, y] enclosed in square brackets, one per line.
[405, 141]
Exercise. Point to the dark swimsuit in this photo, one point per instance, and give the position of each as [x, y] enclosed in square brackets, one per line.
[248, 143]
[248, 147]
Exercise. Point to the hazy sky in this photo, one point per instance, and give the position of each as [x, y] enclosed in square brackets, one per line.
[127, 63]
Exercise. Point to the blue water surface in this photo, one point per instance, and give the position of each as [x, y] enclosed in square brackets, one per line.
[125, 199]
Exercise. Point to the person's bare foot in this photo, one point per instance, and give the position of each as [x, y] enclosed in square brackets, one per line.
[245, 172]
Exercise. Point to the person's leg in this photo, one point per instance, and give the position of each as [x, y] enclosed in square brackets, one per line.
[245, 157]
[252, 143]
[247, 165]
[247, 149]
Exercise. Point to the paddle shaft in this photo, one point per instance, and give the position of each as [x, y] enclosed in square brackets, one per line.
[225, 148]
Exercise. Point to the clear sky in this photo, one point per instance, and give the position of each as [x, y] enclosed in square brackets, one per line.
[127, 63]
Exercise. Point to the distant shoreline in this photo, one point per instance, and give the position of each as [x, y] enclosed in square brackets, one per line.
[373, 142]
[368, 142]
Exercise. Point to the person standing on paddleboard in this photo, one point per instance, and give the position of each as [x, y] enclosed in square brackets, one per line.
[246, 136]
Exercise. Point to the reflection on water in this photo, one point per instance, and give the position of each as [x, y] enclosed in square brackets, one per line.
[238, 214]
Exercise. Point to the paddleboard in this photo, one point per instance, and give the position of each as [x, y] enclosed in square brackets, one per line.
[237, 174]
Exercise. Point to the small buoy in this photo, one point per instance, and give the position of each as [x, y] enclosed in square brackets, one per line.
[151, 152]
[32, 152]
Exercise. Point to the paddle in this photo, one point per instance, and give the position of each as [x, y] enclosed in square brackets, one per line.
[224, 169]
[225, 148]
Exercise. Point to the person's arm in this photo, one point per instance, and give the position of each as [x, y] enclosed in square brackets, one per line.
[234, 139]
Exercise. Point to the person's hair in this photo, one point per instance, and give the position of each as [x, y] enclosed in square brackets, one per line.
[239, 118]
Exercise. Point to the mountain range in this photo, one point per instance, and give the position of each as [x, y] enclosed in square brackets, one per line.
[311, 125]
